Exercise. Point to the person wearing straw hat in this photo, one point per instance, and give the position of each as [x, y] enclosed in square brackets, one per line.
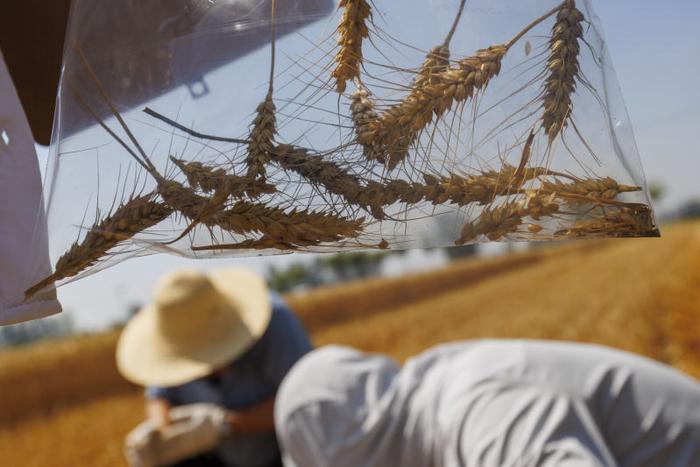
[220, 344]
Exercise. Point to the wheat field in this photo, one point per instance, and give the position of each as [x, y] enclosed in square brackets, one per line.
[63, 403]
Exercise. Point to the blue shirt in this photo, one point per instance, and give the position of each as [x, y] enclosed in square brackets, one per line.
[252, 378]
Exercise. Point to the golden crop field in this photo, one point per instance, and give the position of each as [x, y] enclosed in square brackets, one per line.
[63, 403]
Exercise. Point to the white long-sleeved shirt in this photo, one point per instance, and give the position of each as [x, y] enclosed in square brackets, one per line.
[488, 403]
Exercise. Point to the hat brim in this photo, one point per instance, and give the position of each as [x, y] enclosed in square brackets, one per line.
[145, 357]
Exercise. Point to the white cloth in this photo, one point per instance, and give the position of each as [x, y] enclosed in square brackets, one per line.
[24, 258]
[488, 403]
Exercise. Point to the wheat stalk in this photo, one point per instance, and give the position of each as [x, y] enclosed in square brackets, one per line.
[351, 31]
[563, 67]
[128, 219]
[438, 58]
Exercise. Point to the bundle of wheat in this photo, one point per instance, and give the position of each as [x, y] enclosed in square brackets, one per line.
[270, 190]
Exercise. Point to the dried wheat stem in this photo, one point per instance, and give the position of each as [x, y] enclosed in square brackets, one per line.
[563, 68]
[145, 160]
[455, 23]
[158, 116]
[438, 58]
[132, 217]
[351, 31]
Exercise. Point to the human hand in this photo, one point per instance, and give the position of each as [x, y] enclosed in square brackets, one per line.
[193, 430]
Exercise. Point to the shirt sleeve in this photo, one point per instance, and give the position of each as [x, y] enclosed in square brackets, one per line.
[154, 392]
[299, 437]
[286, 340]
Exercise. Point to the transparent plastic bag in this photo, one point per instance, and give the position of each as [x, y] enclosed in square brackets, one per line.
[204, 127]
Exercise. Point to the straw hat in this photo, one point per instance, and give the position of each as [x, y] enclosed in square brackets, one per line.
[196, 324]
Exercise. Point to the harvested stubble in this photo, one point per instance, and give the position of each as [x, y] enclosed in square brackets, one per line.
[563, 68]
[352, 31]
[130, 218]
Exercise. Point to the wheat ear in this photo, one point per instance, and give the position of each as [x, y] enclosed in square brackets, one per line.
[261, 138]
[587, 191]
[289, 229]
[630, 220]
[362, 112]
[211, 179]
[321, 172]
[362, 107]
[563, 68]
[497, 222]
[130, 218]
[351, 32]
[264, 126]
[481, 189]
[398, 127]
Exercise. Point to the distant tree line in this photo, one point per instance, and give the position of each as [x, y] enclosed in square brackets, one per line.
[33, 331]
[326, 270]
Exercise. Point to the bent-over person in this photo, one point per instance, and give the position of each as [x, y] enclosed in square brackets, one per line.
[488, 404]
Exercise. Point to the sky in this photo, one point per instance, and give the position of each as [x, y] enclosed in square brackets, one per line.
[655, 47]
